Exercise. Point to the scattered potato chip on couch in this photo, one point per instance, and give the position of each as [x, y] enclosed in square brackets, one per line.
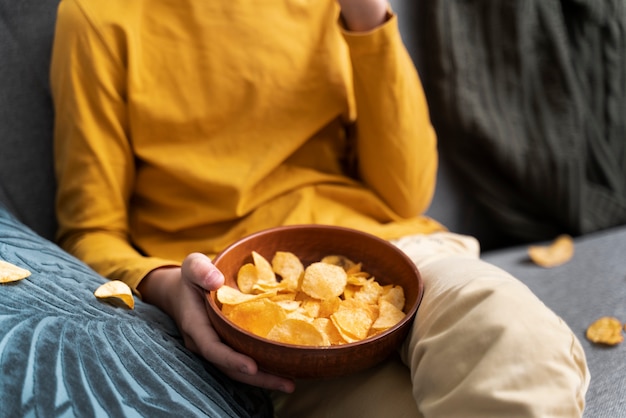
[116, 290]
[606, 330]
[560, 251]
[11, 273]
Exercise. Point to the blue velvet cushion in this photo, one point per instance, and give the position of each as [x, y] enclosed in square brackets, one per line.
[65, 353]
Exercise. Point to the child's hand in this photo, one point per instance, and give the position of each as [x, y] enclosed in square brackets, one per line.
[180, 292]
[363, 15]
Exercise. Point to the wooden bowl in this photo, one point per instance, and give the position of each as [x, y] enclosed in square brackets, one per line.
[310, 243]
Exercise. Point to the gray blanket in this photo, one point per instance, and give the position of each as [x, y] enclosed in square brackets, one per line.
[529, 100]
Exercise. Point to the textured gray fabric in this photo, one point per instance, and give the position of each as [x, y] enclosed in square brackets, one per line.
[27, 184]
[65, 353]
[591, 285]
[529, 99]
[454, 207]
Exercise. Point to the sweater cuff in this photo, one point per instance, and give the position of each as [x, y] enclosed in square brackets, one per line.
[375, 40]
[136, 273]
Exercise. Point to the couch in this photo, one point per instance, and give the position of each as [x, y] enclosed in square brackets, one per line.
[63, 353]
[522, 94]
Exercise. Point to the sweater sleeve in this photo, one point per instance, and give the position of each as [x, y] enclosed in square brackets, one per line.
[396, 144]
[93, 158]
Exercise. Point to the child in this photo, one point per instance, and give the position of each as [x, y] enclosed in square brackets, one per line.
[184, 125]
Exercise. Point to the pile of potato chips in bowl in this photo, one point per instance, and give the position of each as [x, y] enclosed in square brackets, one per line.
[314, 301]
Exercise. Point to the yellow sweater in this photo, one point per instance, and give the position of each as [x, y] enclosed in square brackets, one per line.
[183, 125]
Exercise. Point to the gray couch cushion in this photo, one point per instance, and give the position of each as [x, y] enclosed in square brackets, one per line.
[26, 117]
[591, 285]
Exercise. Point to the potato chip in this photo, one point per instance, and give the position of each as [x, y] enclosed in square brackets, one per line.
[355, 270]
[290, 269]
[247, 277]
[326, 327]
[352, 324]
[288, 305]
[339, 260]
[230, 296]
[369, 292]
[116, 290]
[265, 274]
[394, 295]
[328, 307]
[350, 290]
[12, 273]
[371, 309]
[560, 251]
[388, 316]
[257, 316]
[311, 307]
[299, 314]
[606, 330]
[324, 281]
[358, 279]
[226, 309]
[295, 331]
[286, 296]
